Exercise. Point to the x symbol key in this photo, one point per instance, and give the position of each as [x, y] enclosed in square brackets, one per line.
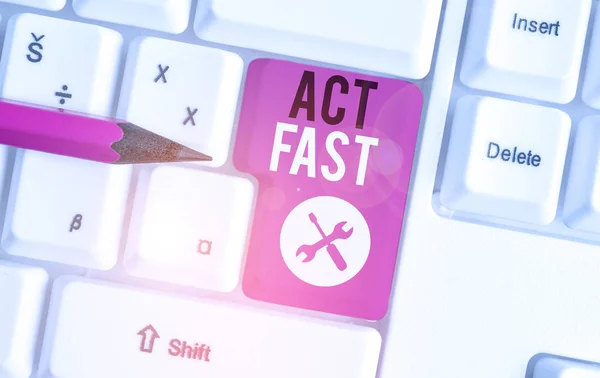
[161, 75]
[191, 114]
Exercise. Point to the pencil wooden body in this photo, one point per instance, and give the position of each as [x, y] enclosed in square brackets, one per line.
[139, 146]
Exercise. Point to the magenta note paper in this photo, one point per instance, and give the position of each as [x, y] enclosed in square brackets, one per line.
[332, 152]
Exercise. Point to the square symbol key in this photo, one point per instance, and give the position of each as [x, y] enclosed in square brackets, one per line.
[332, 152]
[184, 92]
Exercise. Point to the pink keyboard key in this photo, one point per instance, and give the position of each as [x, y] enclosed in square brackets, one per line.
[332, 152]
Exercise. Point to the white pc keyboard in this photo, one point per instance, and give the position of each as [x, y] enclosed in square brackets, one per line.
[398, 188]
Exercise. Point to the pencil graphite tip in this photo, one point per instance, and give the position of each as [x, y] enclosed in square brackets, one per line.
[187, 154]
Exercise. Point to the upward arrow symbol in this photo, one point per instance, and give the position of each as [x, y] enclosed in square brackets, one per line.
[149, 335]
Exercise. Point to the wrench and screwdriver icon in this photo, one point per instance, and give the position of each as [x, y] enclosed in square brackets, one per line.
[327, 240]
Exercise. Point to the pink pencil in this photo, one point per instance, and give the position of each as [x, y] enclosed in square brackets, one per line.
[86, 137]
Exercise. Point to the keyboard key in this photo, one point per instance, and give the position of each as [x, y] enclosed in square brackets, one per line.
[189, 227]
[70, 65]
[153, 335]
[505, 159]
[591, 83]
[400, 34]
[53, 5]
[7, 154]
[552, 367]
[582, 199]
[332, 153]
[164, 15]
[184, 92]
[65, 210]
[526, 48]
[22, 293]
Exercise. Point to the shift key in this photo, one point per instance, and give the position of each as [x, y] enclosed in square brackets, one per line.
[106, 330]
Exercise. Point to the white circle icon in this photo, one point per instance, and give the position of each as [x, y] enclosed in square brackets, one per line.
[325, 241]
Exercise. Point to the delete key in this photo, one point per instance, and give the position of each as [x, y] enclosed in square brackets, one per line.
[332, 152]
